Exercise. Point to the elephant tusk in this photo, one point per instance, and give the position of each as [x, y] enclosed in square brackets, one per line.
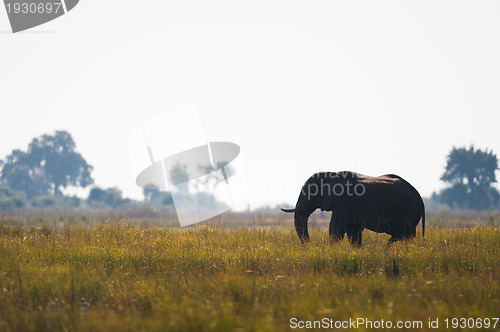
[288, 210]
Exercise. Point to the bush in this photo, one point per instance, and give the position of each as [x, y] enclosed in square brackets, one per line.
[10, 199]
[59, 201]
[43, 201]
[106, 198]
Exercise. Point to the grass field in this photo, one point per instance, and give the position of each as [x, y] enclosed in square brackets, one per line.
[58, 273]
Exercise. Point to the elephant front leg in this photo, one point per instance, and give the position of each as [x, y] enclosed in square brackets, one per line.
[335, 231]
[340, 222]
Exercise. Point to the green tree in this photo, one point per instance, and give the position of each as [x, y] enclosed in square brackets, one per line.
[50, 164]
[471, 173]
[17, 174]
[58, 160]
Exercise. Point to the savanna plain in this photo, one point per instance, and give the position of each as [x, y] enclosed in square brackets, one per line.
[239, 272]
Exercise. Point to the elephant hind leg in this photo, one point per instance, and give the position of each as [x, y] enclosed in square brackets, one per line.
[408, 234]
[402, 237]
[394, 239]
[336, 236]
[355, 236]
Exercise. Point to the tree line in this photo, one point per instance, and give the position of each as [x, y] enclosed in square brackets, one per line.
[38, 176]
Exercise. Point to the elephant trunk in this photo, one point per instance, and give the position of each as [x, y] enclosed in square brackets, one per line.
[303, 209]
[300, 223]
[301, 227]
[300, 219]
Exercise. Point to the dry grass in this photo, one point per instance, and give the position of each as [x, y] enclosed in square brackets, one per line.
[121, 276]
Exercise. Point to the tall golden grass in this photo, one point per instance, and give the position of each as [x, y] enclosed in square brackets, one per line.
[60, 272]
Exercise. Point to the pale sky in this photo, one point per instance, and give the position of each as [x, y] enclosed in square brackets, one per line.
[374, 87]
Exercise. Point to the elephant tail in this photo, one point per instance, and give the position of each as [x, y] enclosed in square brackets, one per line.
[422, 213]
[423, 221]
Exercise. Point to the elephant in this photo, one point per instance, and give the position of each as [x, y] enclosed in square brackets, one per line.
[383, 204]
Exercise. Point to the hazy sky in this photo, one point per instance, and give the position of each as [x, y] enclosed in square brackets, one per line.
[371, 86]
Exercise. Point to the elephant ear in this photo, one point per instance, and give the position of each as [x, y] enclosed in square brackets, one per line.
[288, 210]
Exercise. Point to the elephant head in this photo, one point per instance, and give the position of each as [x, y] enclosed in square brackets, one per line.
[320, 191]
